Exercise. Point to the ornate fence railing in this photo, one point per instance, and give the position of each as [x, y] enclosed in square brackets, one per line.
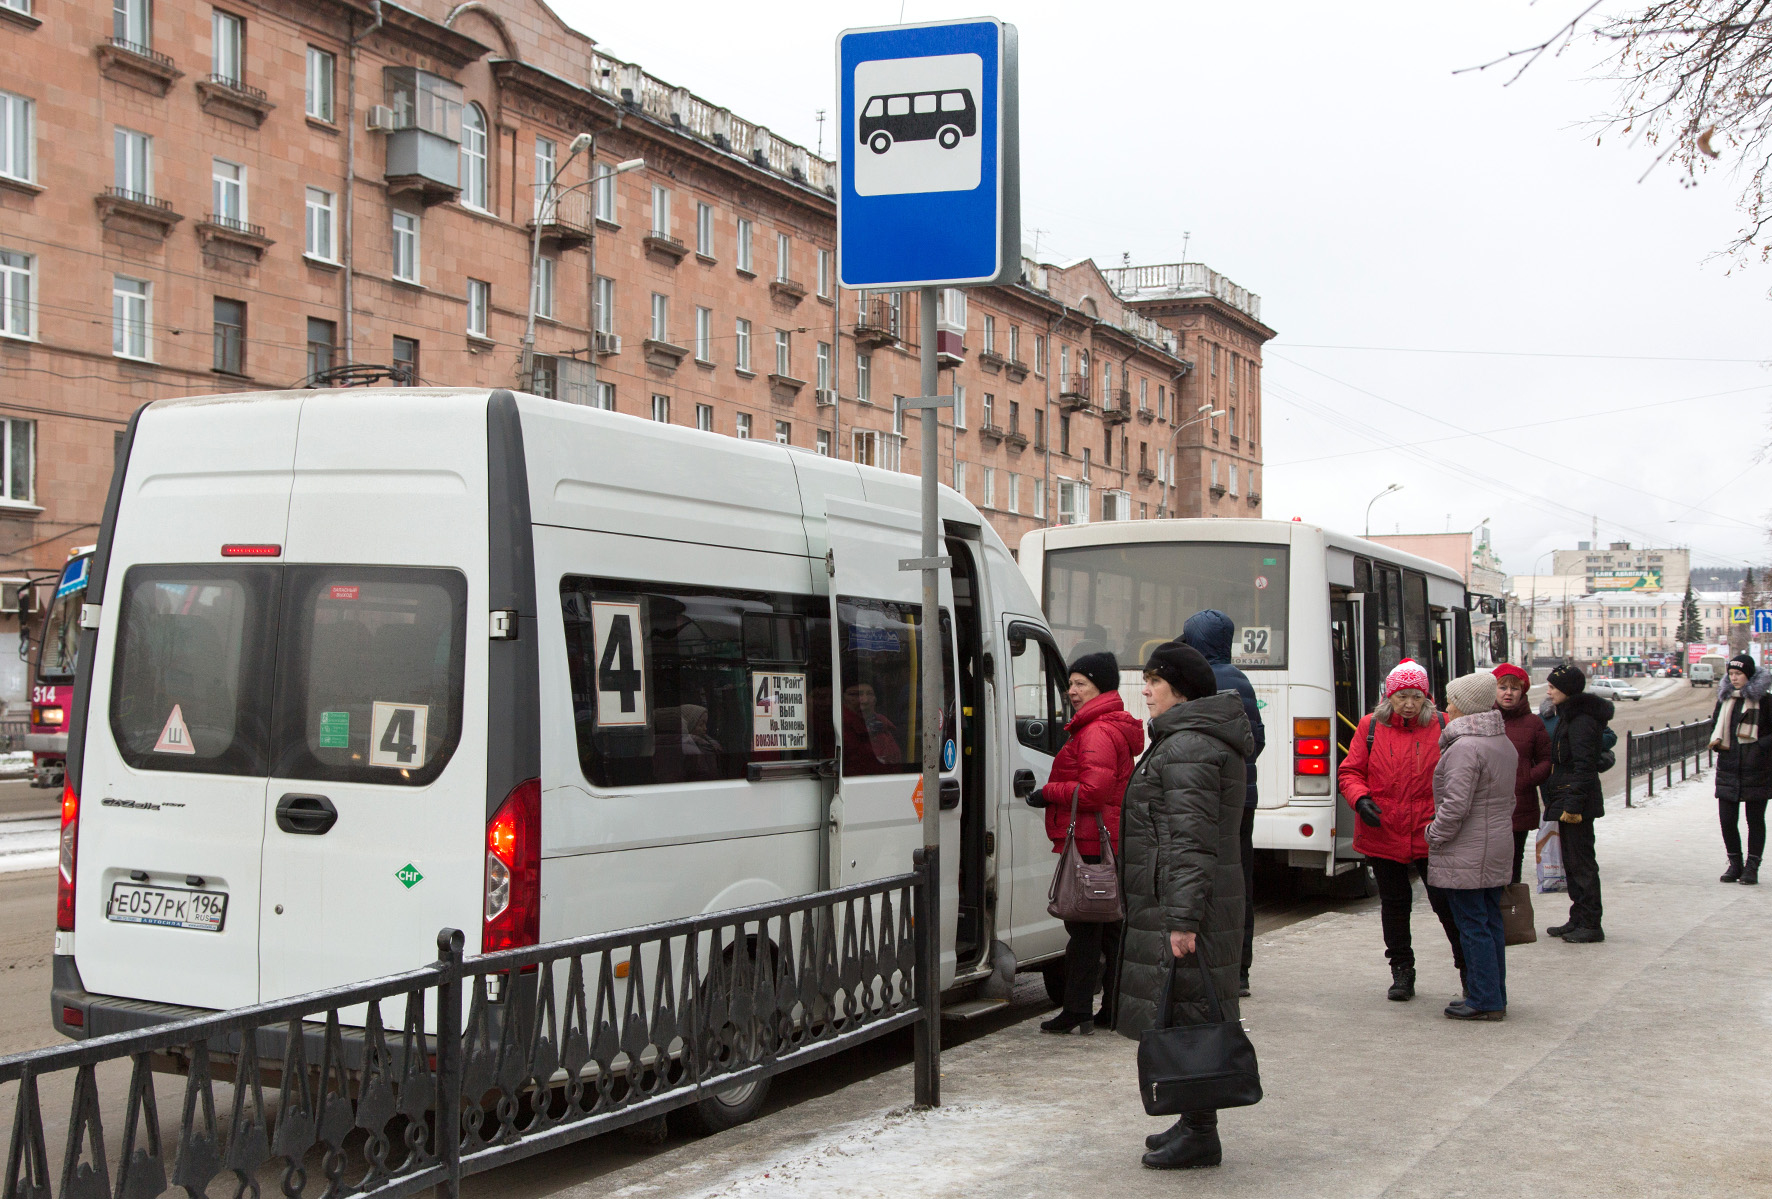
[401, 1084]
[1659, 749]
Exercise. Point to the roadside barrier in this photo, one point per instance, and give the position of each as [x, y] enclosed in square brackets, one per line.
[1659, 749]
[559, 1042]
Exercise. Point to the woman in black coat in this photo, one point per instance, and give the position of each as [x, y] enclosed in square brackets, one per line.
[1573, 796]
[1742, 740]
[1182, 875]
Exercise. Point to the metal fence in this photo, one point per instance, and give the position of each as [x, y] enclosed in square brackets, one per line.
[327, 1094]
[1659, 749]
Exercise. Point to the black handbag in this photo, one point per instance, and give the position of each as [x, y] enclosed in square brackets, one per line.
[1196, 1067]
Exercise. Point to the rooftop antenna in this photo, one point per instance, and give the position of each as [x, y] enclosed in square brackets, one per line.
[1185, 235]
[1037, 233]
[820, 118]
[1126, 259]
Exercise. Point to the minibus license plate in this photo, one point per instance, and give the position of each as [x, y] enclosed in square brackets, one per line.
[173, 907]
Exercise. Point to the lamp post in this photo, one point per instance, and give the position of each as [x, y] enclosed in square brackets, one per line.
[1374, 500]
[1531, 638]
[1205, 412]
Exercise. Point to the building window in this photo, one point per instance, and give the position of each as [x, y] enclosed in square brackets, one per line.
[544, 286]
[17, 136]
[322, 337]
[405, 247]
[230, 337]
[544, 377]
[742, 344]
[960, 476]
[743, 426]
[605, 191]
[950, 308]
[479, 303]
[987, 411]
[1040, 498]
[131, 22]
[1014, 492]
[475, 186]
[18, 308]
[661, 409]
[989, 494]
[1162, 403]
[546, 153]
[784, 257]
[131, 316]
[1039, 428]
[229, 58]
[134, 167]
[783, 353]
[824, 274]
[1015, 343]
[898, 416]
[1085, 462]
[704, 417]
[784, 433]
[661, 317]
[227, 193]
[604, 318]
[1064, 433]
[744, 244]
[959, 407]
[322, 229]
[605, 398]
[990, 334]
[1064, 366]
[704, 334]
[321, 65]
[21, 460]
[1040, 359]
[406, 360]
[704, 230]
[1144, 395]
[864, 380]
[824, 366]
[661, 211]
[824, 443]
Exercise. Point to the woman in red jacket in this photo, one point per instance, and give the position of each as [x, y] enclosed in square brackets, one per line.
[1388, 777]
[1532, 741]
[1095, 766]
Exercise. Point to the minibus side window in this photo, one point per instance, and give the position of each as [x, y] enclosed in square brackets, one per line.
[879, 643]
[370, 673]
[676, 683]
[1039, 691]
[190, 688]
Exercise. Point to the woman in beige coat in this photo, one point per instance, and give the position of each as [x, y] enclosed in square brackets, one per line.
[1471, 840]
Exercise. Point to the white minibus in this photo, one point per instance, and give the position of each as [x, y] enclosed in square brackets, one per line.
[368, 663]
[1320, 618]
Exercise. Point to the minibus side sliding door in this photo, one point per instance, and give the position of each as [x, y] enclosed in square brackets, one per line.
[1347, 624]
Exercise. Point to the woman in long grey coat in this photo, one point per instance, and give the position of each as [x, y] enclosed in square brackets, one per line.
[1470, 843]
[1182, 875]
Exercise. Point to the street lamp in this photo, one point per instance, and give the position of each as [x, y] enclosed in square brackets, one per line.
[1374, 500]
[543, 206]
[1204, 412]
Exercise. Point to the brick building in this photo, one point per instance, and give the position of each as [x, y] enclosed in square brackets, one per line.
[271, 193]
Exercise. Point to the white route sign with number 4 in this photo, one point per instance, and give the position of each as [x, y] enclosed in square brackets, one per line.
[778, 711]
[397, 734]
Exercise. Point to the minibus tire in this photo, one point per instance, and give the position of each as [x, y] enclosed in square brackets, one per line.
[1053, 974]
[740, 1105]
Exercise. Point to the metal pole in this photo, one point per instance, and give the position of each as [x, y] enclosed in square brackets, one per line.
[928, 1034]
[449, 1065]
[1629, 740]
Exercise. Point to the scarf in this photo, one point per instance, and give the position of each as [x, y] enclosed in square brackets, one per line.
[1737, 723]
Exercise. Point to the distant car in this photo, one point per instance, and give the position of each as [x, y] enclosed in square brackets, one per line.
[1617, 688]
[1661, 673]
[1703, 675]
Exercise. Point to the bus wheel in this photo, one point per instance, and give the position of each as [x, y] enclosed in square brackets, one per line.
[728, 1109]
[880, 142]
[1053, 974]
[949, 137]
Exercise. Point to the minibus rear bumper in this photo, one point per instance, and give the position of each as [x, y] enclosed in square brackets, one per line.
[101, 1015]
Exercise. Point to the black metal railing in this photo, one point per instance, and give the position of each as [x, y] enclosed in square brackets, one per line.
[558, 1043]
[234, 223]
[140, 51]
[135, 197]
[239, 85]
[1659, 749]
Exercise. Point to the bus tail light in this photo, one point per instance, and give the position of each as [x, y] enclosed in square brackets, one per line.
[1311, 766]
[513, 871]
[64, 873]
[1310, 755]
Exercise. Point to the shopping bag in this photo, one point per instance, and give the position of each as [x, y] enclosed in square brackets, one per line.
[1550, 859]
[1516, 914]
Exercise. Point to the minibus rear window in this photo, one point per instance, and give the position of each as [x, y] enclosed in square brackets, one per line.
[370, 684]
[880, 646]
[192, 671]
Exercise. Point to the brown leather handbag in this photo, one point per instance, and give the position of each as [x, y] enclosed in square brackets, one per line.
[1085, 892]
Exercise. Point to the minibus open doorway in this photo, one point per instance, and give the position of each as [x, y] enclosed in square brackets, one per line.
[972, 933]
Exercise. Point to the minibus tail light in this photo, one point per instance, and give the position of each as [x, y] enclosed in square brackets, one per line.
[64, 874]
[236, 549]
[513, 871]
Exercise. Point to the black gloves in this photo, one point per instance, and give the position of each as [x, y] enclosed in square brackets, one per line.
[1035, 799]
[1368, 810]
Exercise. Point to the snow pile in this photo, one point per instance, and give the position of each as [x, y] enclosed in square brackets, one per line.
[29, 844]
[15, 765]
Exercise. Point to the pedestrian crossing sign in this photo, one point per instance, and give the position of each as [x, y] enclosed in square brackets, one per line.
[1738, 614]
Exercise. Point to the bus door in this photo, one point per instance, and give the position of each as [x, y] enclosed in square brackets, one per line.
[972, 933]
[876, 614]
[1036, 679]
[1347, 625]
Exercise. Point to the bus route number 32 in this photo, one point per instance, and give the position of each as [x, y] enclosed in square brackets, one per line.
[1253, 641]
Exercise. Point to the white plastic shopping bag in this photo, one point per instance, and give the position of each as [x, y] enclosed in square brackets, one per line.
[1550, 859]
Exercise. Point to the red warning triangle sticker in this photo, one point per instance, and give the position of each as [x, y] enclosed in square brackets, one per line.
[916, 796]
[175, 738]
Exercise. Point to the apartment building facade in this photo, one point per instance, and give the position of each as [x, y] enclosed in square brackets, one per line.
[207, 198]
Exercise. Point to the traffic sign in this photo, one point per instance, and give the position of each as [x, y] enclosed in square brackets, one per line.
[1763, 620]
[1738, 614]
[928, 147]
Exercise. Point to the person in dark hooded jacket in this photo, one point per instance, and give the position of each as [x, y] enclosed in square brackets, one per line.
[1181, 875]
[1573, 796]
[1741, 737]
[1212, 633]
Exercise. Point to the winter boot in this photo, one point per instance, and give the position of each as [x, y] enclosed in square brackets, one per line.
[1195, 1147]
[1159, 1139]
[1583, 936]
[1562, 930]
[1402, 983]
[1750, 870]
[1733, 874]
[1064, 1022]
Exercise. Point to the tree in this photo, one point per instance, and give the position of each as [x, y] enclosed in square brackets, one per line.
[1694, 84]
[1691, 627]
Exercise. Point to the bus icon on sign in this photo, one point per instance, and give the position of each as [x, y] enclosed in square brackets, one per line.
[944, 116]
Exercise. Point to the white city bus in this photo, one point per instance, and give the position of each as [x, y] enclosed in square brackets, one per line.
[1320, 619]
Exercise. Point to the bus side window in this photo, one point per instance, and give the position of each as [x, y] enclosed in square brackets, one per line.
[1039, 694]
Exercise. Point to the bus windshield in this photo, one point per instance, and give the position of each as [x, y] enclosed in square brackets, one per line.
[61, 637]
[1132, 598]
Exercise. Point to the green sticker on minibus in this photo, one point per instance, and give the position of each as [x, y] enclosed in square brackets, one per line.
[335, 730]
[1270, 561]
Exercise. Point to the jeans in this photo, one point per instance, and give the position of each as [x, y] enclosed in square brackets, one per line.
[1396, 894]
[1583, 871]
[1091, 960]
[1478, 913]
[1246, 837]
[1521, 836]
[1729, 815]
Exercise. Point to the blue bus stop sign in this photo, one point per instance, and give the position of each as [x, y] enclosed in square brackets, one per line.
[928, 150]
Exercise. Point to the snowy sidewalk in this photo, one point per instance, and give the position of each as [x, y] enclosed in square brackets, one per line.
[1635, 1067]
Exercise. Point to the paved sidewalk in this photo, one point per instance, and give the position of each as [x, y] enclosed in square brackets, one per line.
[1639, 1067]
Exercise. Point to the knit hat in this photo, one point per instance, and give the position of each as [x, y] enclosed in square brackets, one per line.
[1507, 670]
[1568, 679]
[1184, 668]
[1471, 693]
[1744, 663]
[1407, 675]
[1102, 669]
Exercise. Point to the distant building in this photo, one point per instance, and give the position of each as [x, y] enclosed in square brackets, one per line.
[1619, 567]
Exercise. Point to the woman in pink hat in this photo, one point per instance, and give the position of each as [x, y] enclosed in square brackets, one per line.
[1388, 777]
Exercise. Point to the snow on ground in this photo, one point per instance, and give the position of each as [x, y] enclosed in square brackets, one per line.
[15, 765]
[29, 844]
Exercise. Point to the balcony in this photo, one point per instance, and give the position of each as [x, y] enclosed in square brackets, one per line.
[1255, 499]
[784, 388]
[1016, 369]
[1016, 439]
[233, 100]
[1073, 393]
[1146, 475]
[1116, 406]
[567, 221]
[423, 127]
[879, 323]
[661, 353]
[231, 238]
[136, 212]
[992, 361]
[1145, 415]
[990, 434]
[138, 66]
[950, 347]
[1217, 490]
[665, 246]
[783, 288]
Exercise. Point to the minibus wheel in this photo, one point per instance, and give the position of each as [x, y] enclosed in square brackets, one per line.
[728, 1109]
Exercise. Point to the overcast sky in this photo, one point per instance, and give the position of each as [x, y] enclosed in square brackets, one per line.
[1473, 299]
